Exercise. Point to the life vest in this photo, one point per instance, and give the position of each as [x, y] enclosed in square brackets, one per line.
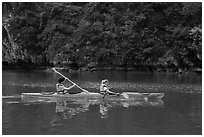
[103, 87]
[60, 87]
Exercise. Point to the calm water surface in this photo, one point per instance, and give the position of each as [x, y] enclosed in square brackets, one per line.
[179, 112]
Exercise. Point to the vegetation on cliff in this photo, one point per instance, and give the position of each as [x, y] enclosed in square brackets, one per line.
[87, 35]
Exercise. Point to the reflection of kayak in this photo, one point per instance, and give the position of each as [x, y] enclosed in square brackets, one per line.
[124, 103]
[131, 95]
[68, 107]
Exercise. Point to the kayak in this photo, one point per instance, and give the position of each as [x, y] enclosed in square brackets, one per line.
[122, 96]
[93, 101]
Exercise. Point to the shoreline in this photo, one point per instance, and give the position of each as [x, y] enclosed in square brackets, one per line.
[83, 69]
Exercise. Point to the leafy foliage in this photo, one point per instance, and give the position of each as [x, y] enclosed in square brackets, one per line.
[158, 34]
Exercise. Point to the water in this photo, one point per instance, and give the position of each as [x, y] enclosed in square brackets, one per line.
[179, 112]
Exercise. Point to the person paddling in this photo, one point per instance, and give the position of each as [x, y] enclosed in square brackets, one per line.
[104, 89]
[61, 88]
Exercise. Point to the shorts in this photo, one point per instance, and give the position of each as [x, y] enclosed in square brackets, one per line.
[103, 92]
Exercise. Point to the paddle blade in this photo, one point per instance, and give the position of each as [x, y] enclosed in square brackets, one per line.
[125, 95]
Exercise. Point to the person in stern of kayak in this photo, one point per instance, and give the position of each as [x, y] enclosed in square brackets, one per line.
[104, 89]
[61, 88]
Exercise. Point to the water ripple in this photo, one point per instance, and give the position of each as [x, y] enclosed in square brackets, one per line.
[124, 86]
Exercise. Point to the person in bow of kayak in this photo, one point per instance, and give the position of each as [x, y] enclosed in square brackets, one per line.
[61, 88]
[104, 89]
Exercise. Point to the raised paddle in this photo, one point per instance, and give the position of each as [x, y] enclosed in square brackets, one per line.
[70, 81]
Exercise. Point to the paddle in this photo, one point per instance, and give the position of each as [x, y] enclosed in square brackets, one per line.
[70, 81]
[124, 95]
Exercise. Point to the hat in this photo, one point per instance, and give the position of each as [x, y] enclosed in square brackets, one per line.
[105, 80]
[60, 80]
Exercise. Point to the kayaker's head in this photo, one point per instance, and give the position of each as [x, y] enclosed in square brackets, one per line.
[61, 80]
[105, 81]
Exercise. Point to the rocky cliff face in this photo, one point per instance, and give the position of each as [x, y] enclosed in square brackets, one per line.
[11, 51]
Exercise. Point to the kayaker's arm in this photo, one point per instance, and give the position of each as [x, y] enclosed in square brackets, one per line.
[70, 87]
[107, 90]
[84, 90]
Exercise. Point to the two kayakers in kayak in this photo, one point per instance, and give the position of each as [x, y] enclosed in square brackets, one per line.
[61, 89]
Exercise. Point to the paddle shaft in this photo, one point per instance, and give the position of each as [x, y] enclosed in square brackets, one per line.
[124, 95]
[70, 81]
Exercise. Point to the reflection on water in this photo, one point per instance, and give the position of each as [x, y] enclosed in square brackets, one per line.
[180, 112]
[176, 114]
[66, 109]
